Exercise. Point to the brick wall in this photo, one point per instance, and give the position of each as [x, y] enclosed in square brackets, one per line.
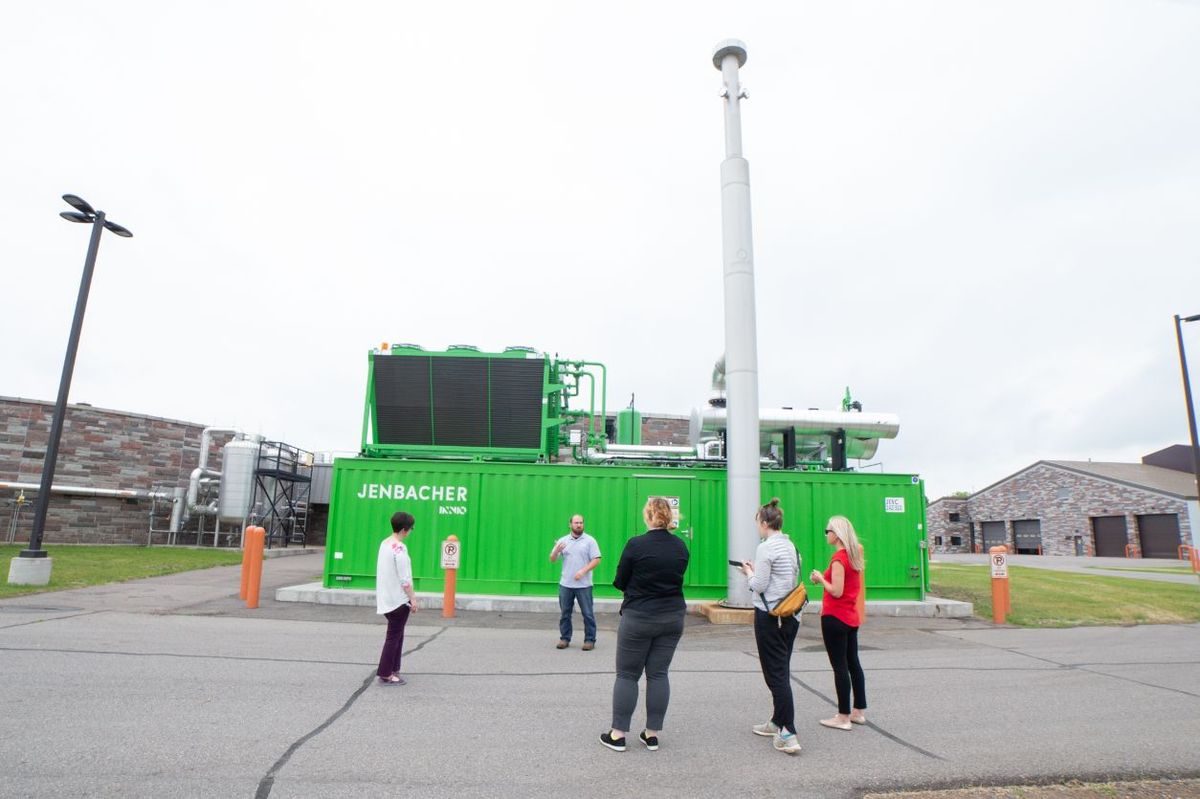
[660, 429]
[1064, 503]
[937, 521]
[99, 449]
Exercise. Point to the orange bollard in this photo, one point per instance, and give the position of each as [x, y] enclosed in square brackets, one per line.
[256, 562]
[245, 562]
[1001, 601]
[1195, 560]
[451, 554]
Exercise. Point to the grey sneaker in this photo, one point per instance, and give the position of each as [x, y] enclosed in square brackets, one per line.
[786, 742]
[766, 730]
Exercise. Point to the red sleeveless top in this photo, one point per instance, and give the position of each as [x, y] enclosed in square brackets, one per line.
[844, 607]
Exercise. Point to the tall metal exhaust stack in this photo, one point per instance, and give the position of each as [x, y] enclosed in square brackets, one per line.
[741, 348]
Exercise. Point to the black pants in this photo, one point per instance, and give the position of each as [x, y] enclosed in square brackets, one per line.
[775, 637]
[841, 643]
[393, 643]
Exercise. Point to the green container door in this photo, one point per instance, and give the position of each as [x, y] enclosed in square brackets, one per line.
[678, 493]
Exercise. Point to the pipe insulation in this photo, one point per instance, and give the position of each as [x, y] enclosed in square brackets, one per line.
[84, 491]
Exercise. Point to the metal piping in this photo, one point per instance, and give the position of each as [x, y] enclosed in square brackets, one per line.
[83, 491]
[202, 471]
[649, 449]
[741, 350]
[804, 422]
[178, 506]
[206, 442]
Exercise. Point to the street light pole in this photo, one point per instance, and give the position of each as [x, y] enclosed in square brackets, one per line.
[1191, 411]
[32, 566]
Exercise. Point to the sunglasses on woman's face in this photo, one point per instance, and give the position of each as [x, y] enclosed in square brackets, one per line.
[827, 530]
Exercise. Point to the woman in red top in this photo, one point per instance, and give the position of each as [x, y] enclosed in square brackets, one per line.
[840, 621]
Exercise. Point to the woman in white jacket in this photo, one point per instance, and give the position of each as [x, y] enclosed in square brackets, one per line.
[394, 597]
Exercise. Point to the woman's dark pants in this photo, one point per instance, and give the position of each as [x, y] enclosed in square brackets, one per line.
[645, 641]
[775, 637]
[389, 659]
[841, 642]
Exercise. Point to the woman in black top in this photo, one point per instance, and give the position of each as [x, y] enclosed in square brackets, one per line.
[650, 574]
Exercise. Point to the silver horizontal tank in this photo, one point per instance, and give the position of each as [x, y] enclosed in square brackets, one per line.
[862, 430]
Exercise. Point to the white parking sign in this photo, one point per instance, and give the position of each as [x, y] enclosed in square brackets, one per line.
[451, 553]
[1000, 566]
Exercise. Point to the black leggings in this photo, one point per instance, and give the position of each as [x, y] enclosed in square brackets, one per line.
[841, 644]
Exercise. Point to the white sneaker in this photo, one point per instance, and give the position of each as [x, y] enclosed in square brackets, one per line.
[786, 742]
[766, 730]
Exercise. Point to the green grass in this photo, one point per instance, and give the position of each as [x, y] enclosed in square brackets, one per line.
[1046, 598]
[79, 566]
[1155, 569]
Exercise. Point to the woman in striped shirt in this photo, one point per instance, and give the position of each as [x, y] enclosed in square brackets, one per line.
[772, 576]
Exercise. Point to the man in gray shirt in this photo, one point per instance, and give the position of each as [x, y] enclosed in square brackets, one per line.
[580, 555]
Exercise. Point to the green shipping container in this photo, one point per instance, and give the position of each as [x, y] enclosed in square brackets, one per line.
[507, 517]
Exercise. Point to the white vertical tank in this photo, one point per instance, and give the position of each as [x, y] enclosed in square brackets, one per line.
[238, 461]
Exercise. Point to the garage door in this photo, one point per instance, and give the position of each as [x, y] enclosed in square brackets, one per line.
[1159, 535]
[993, 535]
[1028, 535]
[1110, 536]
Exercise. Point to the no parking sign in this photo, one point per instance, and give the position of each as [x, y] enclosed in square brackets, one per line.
[451, 553]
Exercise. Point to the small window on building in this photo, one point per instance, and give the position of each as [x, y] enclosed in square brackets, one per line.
[956, 540]
[954, 517]
[937, 540]
[1064, 493]
[1023, 496]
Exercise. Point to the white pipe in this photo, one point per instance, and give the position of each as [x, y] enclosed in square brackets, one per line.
[804, 422]
[83, 491]
[649, 449]
[741, 349]
[206, 441]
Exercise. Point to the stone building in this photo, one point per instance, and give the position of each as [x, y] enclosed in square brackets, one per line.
[1076, 508]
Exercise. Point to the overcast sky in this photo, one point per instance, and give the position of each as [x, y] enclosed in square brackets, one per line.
[979, 216]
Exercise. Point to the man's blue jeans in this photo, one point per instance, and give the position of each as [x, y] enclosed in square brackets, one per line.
[567, 597]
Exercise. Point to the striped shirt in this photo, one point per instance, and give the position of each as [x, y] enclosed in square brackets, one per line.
[776, 567]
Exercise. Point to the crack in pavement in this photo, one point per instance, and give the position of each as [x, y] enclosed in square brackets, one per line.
[55, 618]
[268, 781]
[1084, 667]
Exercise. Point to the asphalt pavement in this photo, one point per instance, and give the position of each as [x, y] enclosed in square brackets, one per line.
[170, 687]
